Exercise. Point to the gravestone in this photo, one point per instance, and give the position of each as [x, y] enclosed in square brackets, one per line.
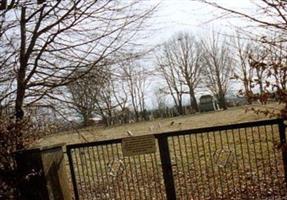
[206, 103]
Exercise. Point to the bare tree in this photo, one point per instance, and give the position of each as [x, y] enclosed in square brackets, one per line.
[257, 58]
[252, 69]
[121, 97]
[48, 44]
[85, 93]
[100, 93]
[270, 15]
[160, 99]
[243, 71]
[269, 63]
[6, 71]
[278, 64]
[107, 92]
[136, 80]
[180, 66]
[105, 105]
[160, 102]
[270, 20]
[218, 66]
[172, 77]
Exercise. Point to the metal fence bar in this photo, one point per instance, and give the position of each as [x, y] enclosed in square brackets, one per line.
[269, 159]
[194, 164]
[277, 162]
[282, 133]
[137, 177]
[188, 165]
[218, 128]
[141, 175]
[205, 164]
[91, 166]
[111, 159]
[97, 171]
[159, 174]
[214, 195]
[156, 178]
[132, 175]
[223, 167]
[176, 168]
[121, 177]
[202, 184]
[79, 170]
[249, 174]
[263, 163]
[72, 170]
[232, 174]
[85, 170]
[167, 168]
[101, 170]
[237, 163]
[255, 155]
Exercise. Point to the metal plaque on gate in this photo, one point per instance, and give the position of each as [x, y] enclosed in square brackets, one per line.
[138, 145]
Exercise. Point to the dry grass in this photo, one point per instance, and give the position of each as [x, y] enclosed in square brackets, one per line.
[232, 115]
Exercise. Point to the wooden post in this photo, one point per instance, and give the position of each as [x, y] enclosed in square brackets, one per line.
[30, 172]
[43, 173]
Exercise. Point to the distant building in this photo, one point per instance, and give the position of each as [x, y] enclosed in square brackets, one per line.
[207, 103]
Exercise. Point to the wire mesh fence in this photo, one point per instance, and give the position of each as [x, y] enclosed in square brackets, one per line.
[102, 172]
[240, 161]
[230, 164]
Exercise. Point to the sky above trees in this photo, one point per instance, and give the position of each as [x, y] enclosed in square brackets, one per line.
[188, 15]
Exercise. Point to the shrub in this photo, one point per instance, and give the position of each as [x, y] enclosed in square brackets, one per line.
[13, 136]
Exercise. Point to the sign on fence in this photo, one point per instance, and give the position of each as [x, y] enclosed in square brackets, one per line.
[138, 145]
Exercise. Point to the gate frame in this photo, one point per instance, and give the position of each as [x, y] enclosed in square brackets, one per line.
[164, 152]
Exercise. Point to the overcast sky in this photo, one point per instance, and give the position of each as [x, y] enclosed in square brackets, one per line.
[187, 15]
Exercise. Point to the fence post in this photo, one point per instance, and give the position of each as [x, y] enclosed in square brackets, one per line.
[31, 183]
[166, 168]
[72, 170]
[44, 174]
[282, 132]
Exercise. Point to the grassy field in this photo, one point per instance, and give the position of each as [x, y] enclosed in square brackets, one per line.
[232, 115]
[236, 164]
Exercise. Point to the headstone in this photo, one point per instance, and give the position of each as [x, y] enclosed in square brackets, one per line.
[130, 133]
[159, 125]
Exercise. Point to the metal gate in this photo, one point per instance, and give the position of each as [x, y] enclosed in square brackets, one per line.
[238, 161]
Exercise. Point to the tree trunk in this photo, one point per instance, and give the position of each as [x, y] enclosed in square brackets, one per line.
[86, 119]
[21, 85]
[261, 87]
[19, 113]
[180, 108]
[106, 121]
[221, 94]
[221, 101]
[193, 102]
